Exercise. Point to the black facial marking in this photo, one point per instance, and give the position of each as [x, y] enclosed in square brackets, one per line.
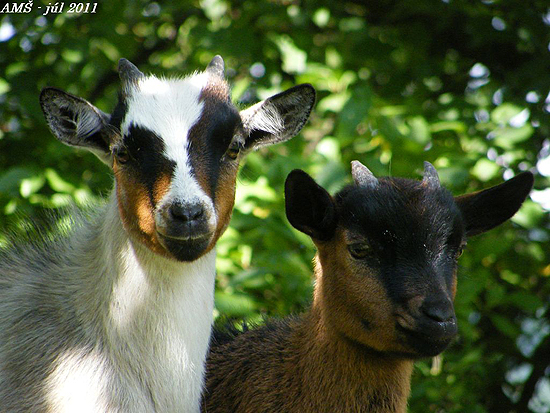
[413, 231]
[211, 137]
[146, 157]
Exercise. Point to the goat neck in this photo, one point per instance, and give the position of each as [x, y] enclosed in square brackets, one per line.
[352, 364]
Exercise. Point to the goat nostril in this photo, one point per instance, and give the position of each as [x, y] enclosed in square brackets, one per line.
[440, 311]
[186, 212]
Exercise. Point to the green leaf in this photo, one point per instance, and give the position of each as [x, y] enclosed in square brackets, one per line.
[524, 300]
[505, 326]
[31, 185]
[72, 56]
[334, 103]
[4, 87]
[530, 215]
[294, 59]
[321, 17]
[57, 183]
[485, 170]
[234, 304]
[329, 148]
[10, 180]
[353, 112]
[508, 136]
[455, 126]
[419, 130]
[502, 114]
[239, 88]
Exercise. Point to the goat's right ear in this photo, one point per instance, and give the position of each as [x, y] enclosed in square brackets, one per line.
[491, 207]
[309, 207]
[76, 122]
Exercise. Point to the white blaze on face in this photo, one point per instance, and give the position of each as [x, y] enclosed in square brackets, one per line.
[170, 108]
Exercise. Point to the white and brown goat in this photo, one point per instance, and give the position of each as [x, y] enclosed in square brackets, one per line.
[385, 283]
[115, 316]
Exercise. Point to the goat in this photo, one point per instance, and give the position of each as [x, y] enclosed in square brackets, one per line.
[116, 315]
[385, 275]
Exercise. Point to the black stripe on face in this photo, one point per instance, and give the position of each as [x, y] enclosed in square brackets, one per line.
[211, 136]
[147, 160]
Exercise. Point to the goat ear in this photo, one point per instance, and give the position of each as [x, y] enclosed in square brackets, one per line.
[491, 207]
[278, 118]
[75, 121]
[309, 207]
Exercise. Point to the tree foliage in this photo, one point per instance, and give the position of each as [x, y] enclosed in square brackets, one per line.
[462, 84]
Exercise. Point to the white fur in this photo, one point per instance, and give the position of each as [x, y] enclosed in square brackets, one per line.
[263, 116]
[155, 314]
[162, 311]
[78, 383]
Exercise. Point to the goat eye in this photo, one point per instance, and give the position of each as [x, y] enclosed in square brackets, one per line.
[233, 151]
[122, 155]
[360, 250]
[456, 252]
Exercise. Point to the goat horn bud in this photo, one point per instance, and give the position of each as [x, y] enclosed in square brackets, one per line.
[431, 178]
[216, 67]
[362, 175]
[129, 74]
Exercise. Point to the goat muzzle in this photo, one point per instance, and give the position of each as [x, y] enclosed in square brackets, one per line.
[430, 327]
[185, 230]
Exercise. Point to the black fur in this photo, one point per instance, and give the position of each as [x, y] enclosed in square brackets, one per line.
[211, 135]
[147, 160]
[416, 232]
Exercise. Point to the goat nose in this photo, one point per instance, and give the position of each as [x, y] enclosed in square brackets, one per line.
[186, 212]
[440, 310]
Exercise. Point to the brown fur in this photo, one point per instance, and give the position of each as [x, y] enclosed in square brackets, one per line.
[309, 371]
[306, 365]
[225, 199]
[317, 362]
[137, 209]
[348, 295]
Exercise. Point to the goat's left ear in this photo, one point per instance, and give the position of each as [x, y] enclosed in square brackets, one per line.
[491, 207]
[76, 122]
[309, 207]
[278, 118]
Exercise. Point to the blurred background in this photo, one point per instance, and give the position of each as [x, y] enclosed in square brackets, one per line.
[462, 84]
